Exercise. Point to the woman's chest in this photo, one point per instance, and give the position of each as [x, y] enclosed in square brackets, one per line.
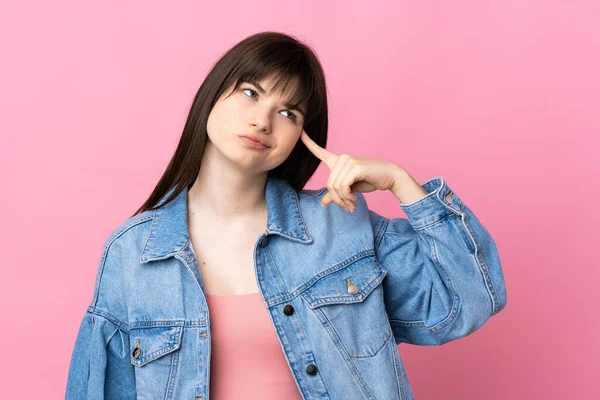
[226, 259]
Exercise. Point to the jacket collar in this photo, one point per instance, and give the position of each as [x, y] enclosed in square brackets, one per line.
[169, 232]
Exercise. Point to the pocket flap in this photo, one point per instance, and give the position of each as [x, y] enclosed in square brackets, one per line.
[149, 343]
[333, 288]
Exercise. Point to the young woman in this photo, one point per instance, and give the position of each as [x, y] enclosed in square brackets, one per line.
[232, 281]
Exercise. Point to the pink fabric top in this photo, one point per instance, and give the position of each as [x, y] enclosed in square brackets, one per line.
[247, 361]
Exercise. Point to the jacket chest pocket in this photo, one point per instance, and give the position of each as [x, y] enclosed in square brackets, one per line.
[349, 303]
[154, 351]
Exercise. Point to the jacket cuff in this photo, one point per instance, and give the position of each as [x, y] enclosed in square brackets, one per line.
[440, 202]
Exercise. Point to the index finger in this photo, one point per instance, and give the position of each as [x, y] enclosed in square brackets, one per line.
[322, 154]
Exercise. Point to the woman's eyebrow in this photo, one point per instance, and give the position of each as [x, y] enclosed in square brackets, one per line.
[263, 91]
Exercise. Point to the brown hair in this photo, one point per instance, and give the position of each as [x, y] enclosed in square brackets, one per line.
[258, 56]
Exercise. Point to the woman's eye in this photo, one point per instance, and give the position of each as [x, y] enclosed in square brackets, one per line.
[251, 91]
[292, 115]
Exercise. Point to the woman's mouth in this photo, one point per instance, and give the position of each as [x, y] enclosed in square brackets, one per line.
[253, 143]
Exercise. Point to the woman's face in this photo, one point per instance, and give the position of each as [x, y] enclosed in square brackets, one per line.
[250, 112]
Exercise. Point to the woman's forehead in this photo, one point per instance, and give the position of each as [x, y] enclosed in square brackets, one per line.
[287, 89]
[290, 85]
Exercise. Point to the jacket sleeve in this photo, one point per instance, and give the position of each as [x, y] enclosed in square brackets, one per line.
[100, 364]
[444, 278]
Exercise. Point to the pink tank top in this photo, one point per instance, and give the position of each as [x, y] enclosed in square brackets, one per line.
[247, 361]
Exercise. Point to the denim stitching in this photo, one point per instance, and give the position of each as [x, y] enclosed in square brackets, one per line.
[456, 300]
[103, 314]
[344, 352]
[482, 267]
[173, 375]
[173, 344]
[109, 242]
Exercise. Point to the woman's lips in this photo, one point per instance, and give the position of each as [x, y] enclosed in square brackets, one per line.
[253, 143]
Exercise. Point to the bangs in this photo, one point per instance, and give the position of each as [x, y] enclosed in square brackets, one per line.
[293, 80]
[296, 91]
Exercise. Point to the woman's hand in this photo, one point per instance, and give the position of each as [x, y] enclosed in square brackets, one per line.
[353, 174]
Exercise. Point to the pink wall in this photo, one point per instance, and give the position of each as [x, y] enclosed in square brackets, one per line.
[497, 97]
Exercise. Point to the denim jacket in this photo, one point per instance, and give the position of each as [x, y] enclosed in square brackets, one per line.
[342, 291]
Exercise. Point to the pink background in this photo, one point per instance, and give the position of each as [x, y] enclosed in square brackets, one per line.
[497, 97]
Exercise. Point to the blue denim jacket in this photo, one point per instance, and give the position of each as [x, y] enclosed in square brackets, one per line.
[342, 290]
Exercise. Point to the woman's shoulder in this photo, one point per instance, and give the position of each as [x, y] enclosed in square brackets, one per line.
[315, 215]
[133, 221]
[125, 241]
[121, 249]
[314, 197]
[311, 192]
[132, 226]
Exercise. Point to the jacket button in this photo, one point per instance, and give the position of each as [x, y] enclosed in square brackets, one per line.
[136, 352]
[352, 288]
[264, 242]
[449, 198]
[288, 309]
[311, 369]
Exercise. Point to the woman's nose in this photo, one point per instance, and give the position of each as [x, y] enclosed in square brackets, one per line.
[261, 119]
